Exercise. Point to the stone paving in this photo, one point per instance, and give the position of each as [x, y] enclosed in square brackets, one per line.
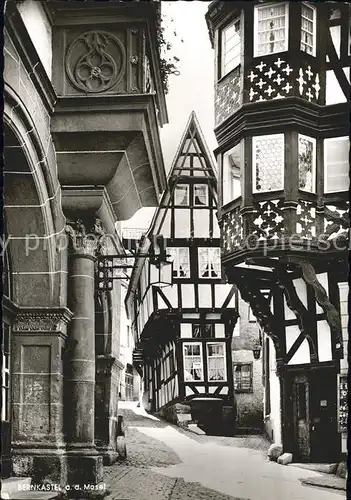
[165, 462]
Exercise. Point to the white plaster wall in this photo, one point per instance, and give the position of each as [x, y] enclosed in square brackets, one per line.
[39, 29]
[273, 421]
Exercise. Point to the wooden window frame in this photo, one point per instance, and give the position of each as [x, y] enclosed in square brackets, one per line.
[314, 161]
[282, 167]
[185, 344]
[176, 262]
[209, 262]
[314, 34]
[222, 65]
[286, 41]
[326, 141]
[224, 357]
[194, 195]
[186, 187]
[240, 390]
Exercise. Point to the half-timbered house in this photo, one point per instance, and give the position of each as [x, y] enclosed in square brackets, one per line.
[282, 94]
[184, 331]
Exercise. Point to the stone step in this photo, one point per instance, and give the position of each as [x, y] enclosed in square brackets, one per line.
[325, 468]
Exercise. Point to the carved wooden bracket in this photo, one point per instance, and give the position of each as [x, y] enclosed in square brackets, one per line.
[333, 317]
[251, 293]
[305, 318]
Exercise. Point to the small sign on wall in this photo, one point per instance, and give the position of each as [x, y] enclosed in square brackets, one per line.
[342, 403]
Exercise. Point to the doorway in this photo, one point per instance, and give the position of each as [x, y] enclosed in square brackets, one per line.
[311, 415]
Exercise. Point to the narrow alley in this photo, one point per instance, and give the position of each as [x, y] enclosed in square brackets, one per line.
[167, 462]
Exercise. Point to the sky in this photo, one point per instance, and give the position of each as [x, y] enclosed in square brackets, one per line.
[192, 90]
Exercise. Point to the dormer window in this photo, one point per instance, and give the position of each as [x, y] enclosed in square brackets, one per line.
[231, 47]
[271, 23]
[182, 195]
[308, 29]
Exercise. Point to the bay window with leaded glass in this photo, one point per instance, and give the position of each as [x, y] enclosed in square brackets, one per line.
[230, 47]
[271, 28]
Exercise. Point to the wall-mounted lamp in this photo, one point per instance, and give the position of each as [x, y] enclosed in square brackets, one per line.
[257, 347]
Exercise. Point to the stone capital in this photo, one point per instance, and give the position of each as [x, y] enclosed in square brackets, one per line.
[42, 320]
[85, 237]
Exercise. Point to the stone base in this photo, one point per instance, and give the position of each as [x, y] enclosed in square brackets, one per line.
[42, 466]
[84, 470]
[109, 457]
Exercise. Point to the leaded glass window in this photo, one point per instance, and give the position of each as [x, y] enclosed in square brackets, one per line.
[200, 194]
[308, 29]
[271, 29]
[231, 47]
[193, 363]
[336, 164]
[181, 261]
[206, 330]
[209, 262]
[307, 163]
[243, 377]
[268, 162]
[181, 196]
[216, 360]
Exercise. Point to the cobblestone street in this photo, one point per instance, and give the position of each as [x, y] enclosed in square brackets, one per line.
[165, 462]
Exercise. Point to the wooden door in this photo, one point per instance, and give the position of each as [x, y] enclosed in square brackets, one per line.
[301, 417]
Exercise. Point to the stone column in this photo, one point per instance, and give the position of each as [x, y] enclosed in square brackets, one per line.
[84, 463]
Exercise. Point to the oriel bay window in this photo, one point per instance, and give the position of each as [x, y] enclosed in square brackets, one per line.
[336, 164]
[181, 261]
[216, 361]
[231, 47]
[193, 362]
[268, 163]
[209, 262]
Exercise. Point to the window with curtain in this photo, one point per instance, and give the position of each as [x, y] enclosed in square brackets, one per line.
[216, 367]
[181, 261]
[209, 262]
[200, 194]
[193, 362]
[243, 377]
[181, 195]
[336, 164]
[231, 47]
[308, 29]
[307, 163]
[271, 29]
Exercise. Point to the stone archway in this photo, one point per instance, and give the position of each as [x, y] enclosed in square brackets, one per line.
[38, 329]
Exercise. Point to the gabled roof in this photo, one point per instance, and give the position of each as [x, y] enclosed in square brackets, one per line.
[192, 144]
